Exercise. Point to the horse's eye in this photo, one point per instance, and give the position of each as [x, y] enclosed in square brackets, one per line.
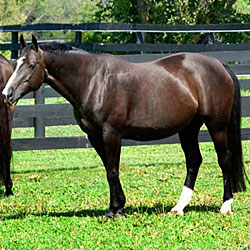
[31, 65]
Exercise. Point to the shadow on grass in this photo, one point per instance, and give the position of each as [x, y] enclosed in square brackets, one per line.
[156, 164]
[156, 209]
[52, 170]
[202, 208]
[139, 165]
[160, 208]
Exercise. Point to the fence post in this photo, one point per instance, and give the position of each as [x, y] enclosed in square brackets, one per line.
[78, 37]
[140, 39]
[39, 122]
[14, 40]
[207, 38]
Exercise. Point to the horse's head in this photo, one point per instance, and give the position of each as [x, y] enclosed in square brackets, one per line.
[29, 73]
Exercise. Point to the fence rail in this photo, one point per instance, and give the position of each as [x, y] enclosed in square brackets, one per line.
[128, 27]
[41, 115]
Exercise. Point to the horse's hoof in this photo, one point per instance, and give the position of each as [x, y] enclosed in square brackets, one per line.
[176, 212]
[228, 213]
[115, 215]
[109, 215]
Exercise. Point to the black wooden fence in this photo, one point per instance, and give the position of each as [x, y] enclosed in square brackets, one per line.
[41, 115]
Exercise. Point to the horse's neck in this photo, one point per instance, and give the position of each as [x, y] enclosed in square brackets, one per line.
[4, 60]
[63, 78]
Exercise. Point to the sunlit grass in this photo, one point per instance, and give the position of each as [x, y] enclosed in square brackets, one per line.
[61, 197]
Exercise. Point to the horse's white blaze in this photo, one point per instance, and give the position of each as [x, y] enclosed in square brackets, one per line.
[20, 62]
[226, 206]
[184, 200]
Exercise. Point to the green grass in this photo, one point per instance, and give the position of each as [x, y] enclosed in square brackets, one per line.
[61, 198]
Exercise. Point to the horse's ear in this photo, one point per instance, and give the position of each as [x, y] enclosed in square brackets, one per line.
[34, 42]
[22, 42]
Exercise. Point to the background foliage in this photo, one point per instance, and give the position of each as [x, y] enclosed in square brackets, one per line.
[172, 12]
[179, 12]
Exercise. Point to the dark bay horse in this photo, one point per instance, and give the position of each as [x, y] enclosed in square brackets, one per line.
[6, 69]
[115, 99]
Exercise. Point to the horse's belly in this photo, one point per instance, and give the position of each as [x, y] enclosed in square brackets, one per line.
[155, 131]
[158, 123]
[147, 134]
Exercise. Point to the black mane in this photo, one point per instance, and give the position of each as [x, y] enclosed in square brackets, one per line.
[58, 48]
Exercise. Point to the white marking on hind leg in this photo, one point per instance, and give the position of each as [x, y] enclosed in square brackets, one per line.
[183, 201]
[226, 207]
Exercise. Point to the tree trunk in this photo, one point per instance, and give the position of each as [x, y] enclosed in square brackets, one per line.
[143, 17]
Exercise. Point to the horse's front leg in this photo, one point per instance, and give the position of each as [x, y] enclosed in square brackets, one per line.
[7, 181]
[112, 147]
[108, 145]
[8, 187]
[7, 178]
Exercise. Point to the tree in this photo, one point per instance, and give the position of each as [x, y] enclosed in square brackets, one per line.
[184, 12]
[58, 11]
[242, 6]
[46, 11]
[10, 13]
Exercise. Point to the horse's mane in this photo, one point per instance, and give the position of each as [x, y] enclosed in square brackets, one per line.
[56, 48]
[59, 48]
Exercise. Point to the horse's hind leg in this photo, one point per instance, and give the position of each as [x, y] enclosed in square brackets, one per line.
[189, 143]
[220, 140]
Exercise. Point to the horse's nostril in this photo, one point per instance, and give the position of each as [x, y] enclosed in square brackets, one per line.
[10, 93]
[8, 97]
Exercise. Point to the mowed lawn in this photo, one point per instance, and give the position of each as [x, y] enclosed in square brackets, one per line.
[61, 197]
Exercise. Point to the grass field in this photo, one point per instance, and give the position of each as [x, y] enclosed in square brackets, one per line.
[61, 198]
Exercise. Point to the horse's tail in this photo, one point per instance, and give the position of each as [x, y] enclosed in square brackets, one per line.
[5, 137]
[234, 139]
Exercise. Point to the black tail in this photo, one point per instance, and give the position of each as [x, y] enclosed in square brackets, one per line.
[5, 138]
[234, 139]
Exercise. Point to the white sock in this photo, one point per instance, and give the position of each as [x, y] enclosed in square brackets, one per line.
[226, 206]
[184, 200]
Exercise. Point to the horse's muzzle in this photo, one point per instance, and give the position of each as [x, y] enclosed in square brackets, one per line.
[9, 98]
